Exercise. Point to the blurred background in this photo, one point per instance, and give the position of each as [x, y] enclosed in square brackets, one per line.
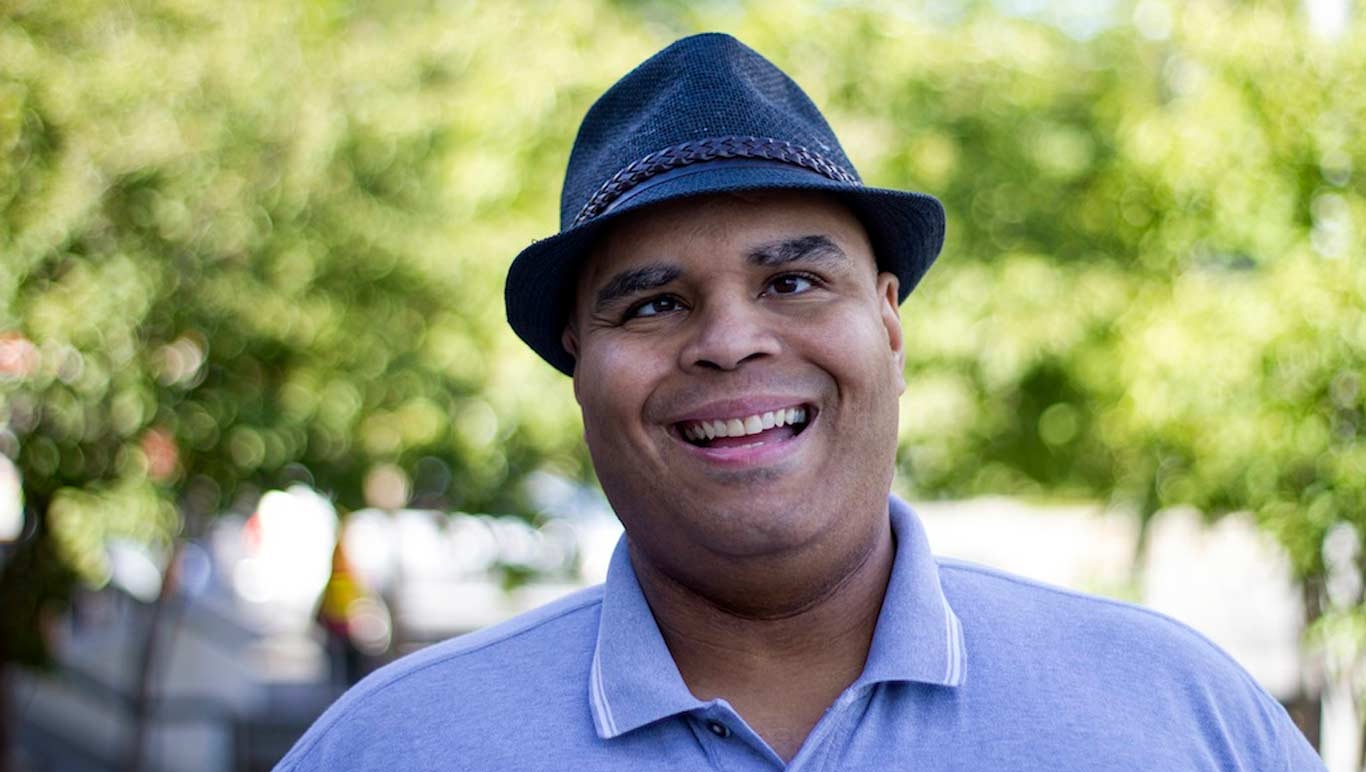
[263, 427]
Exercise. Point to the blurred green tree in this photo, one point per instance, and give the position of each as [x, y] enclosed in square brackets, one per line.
[253, 244]
[250, 243]
[1153, 288]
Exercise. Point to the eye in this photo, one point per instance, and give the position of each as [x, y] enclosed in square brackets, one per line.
[791, 283]
[654, 307]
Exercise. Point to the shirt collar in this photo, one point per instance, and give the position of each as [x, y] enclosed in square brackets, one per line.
[633, 680]
[918, 637]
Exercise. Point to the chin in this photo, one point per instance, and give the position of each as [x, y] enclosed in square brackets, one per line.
[757, 525]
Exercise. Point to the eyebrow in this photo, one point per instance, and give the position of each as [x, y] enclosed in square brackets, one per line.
[634, 280]
[814, 247]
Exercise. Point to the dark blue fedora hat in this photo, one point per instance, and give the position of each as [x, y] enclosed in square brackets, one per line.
[705, 115]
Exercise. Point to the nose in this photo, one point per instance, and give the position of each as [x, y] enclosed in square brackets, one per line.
[726, 333]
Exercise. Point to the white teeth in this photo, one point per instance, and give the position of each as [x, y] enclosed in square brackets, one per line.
[740, 427]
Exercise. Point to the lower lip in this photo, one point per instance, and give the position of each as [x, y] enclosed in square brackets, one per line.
[759, 454]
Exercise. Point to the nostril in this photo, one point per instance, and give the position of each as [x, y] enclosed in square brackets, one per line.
[724, 338]
[729, 364]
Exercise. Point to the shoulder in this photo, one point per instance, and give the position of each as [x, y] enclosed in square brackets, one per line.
[1009, 614]
[1121, 670]
[1015, 605]
[496, 676]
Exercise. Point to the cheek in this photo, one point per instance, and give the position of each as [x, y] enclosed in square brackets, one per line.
[856, 351]
[617, 362]
[626, 363]
[596, 404]
[614, 383]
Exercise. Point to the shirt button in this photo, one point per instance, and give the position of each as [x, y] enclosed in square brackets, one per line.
[719, 729]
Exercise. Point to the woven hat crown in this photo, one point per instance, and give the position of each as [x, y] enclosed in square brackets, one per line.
[699, 89]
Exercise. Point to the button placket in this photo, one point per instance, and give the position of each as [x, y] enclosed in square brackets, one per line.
[820, 750]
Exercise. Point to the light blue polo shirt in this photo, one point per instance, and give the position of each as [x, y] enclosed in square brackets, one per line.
[970, 669]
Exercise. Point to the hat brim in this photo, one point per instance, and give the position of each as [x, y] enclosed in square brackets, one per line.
[906, 230]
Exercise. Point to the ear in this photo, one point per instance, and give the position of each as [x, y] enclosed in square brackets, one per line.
[889, 310]
[570, 340]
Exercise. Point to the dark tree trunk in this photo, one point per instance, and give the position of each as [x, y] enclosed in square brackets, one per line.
[144, 698]
[35, 586]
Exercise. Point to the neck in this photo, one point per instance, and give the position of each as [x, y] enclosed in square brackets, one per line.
[782, 655]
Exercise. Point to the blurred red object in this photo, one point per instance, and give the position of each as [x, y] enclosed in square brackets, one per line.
[18, 355]
[162, 452]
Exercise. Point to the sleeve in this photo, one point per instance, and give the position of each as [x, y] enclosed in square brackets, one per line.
[1298, 754]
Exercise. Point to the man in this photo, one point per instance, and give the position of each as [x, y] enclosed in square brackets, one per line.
[725, 292]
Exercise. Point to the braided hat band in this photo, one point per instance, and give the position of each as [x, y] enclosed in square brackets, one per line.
[661, 162]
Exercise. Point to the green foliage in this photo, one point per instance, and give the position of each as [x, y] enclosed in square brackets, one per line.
[256, 242]
[1153, 284]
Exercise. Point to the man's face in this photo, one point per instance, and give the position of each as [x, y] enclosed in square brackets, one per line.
[738, 363]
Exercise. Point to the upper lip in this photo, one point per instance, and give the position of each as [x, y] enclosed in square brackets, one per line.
[726, 409]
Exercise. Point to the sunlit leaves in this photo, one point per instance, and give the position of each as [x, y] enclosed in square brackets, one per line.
[249, 243]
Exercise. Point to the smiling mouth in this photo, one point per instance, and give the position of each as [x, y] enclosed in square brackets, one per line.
[747, 431]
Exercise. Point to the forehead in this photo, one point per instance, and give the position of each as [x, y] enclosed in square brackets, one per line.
[727, 226]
